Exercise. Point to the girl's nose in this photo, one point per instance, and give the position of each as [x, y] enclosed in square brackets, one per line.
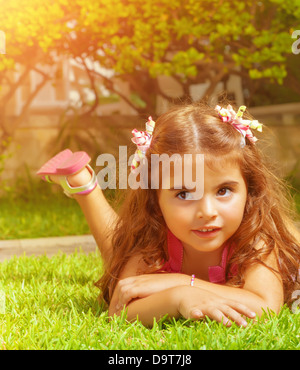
[206, 208]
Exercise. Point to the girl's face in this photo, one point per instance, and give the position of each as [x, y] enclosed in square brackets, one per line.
[206, 224]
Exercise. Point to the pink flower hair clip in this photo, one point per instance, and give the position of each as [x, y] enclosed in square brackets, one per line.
[240, 124]
[142, 139]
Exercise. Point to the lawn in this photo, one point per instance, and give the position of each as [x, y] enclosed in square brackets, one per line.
[51, 303]
[40, 214]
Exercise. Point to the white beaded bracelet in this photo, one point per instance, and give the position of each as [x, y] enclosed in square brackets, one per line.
[192, 280]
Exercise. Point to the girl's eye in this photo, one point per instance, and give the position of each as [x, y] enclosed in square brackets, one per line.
[224, 192]
[184, 195]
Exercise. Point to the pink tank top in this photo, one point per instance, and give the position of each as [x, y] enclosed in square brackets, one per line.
[216, 274]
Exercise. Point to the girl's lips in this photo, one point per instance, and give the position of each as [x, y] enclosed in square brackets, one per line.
[207, 234]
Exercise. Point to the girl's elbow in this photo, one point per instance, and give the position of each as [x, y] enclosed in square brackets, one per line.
[274, 302]
[112, 312]
[269, 306]
[275, 307]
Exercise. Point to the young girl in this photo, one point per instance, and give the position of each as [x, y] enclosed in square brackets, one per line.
[229, 253]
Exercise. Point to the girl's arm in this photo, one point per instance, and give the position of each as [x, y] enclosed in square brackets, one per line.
[188, 302]
[176, 301]
[262, 290]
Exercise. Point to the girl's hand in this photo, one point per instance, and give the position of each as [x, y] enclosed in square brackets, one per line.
[141, 286]
[196, 303]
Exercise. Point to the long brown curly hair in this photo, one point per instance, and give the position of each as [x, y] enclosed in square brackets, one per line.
[268, 215]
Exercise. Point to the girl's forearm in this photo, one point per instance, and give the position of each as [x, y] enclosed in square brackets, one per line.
[166, 302]
[156, 306]
[186, 301]
[246, 297]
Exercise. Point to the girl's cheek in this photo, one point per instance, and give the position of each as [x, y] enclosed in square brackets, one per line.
[235, 210]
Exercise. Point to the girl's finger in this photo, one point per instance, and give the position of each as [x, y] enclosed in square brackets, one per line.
[234, 316]
[196, 314]
[122, 295]
[242, 309]
[219, 316]
[127, 295]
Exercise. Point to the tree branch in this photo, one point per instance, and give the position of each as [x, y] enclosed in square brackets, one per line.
[28, 102]
[214, 80]
[13, 89]
[110, 86]
[93, 86]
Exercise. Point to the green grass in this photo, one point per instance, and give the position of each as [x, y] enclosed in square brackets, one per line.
[52, 304]
[40, 210]
[40, 214]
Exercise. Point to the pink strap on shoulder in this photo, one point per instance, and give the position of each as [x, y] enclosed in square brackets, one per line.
[217, 274]
[175, 251]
